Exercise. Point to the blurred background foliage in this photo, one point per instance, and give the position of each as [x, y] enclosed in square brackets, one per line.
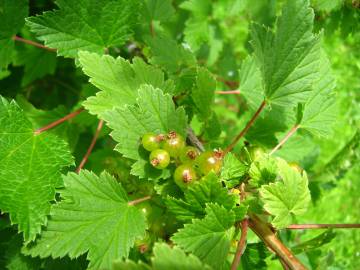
[48, 87]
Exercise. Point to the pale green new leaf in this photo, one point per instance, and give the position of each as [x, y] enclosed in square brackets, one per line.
[118, 80]
[288, 59]
[30, 168]
[232, 170]
[203, 92]
[262, 171]
[208, 238]
[208, 190]
[166, 258]
[89, 25]
[319, 112]
[288, 197]
[154, 112]
[93, 216]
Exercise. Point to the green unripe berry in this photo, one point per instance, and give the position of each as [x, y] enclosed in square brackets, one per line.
[174, 144]
[159, 159]
[151, 141]
[189, 154]
[209, 161]
[256, 153]
[185, 175]
[295, 166]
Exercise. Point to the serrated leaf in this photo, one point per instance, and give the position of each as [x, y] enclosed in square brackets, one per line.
[166, 258]
[29, 169]
[93, 216]
[208, 238]
[89, 25]
[154, 112]
[208, 189]
[263, 171]
[287, 197]
[319, 112]
[288, 59]
[170, 55]
[232, 170]
[254, 257]
[158, 10]
[203, 92]
[12, 15]
[118, 80]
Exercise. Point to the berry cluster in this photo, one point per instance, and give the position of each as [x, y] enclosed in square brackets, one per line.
[190, 162]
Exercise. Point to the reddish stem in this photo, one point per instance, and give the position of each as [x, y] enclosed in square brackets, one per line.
[265, 233]
[284, 140]
[33, 43]
[92, 144]
[246, 128]
[241, 245]
[58, 122]
[140, 200]
[322, 226]
[231, 84]
[229, 92]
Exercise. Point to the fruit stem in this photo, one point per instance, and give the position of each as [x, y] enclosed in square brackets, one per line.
[33, 43]
[92, 144]
[265, 233]
[246, 128]
[285, 139]
[140, 200]
[322, 226]
[58, 122]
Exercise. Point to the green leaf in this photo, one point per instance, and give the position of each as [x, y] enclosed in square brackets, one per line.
[158, 10]
[320, 112]
[93, 216]
[12, 15]
[170, 55]
[166, 258]
[154, 112]
[232, 170]
[208, 238]
[314, 243]
[203, 92]
[90, 25]
[263, 171]
[287, 198]
[208, 189]
[37, 63]
[118, 81]
[29, 169]
[288, 59]
[254, 257]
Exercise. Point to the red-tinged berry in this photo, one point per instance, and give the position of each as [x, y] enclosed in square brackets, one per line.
[189, 154]
[150, 141]
[210, 161]
[185, 175]
[159, 159]
[174, 144]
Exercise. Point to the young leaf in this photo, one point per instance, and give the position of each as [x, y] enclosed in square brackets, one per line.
[154, 112]
[288, 59]
[254, 257]
[232, 170]
[12, 15]
[119, 80]
[90, 25]
[29, 169]
[203, 92]
[208, 190]
[167, 258]
[319, 111]
[208, 238]
[286, 198]
[262, 171]
[93, 216]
